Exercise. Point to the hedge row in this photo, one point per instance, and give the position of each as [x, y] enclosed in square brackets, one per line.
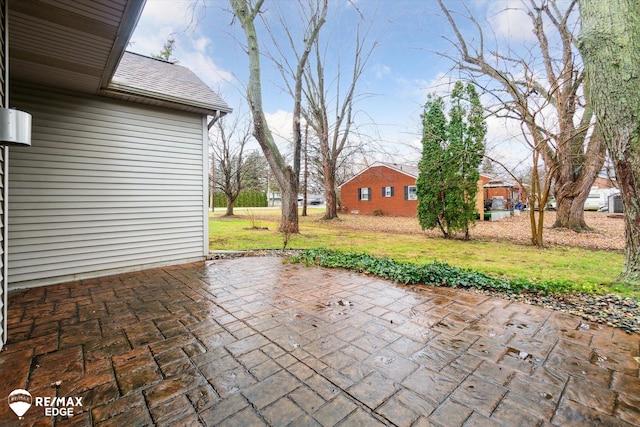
[246, 199]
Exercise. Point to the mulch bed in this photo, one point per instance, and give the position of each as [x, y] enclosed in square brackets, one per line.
[607, 231]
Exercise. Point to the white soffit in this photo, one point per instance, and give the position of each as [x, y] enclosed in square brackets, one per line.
[69, 44]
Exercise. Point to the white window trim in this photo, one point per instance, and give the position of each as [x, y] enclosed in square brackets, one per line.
[365, 194]
[410, 195]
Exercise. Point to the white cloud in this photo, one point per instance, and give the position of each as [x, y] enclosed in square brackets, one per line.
[159, 20]
[174, 12]
[281, 124]
[205, 68]
[505, 141]
[509, 20]
[441, 85]
[381, 70]
[201, 44]
[162, 19]
[420, 89]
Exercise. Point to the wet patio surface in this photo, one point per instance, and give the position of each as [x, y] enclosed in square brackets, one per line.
[253, 341]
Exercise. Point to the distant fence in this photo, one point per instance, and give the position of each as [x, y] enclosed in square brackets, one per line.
[246, 199]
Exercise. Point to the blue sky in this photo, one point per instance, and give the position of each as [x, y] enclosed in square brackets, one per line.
[403, 69]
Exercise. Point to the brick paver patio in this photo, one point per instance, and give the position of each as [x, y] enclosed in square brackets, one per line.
[253, 341]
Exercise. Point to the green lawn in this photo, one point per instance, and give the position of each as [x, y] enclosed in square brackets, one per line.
[503, 259]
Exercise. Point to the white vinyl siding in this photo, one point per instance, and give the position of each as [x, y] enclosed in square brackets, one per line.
[3, 246]
[3, 176]
[107, 186]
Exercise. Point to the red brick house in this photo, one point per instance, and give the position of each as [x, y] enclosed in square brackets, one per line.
[388, 189]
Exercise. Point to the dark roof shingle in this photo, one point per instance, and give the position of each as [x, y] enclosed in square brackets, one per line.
[169, 84]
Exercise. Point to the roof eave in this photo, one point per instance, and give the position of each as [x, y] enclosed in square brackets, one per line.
[115, 90]
[127, 26]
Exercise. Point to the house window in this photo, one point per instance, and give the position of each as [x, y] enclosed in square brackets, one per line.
[387, 191]
[364, 193]
[410, 192]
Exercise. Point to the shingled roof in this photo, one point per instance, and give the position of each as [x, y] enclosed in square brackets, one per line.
[153, 81]
[409, 170]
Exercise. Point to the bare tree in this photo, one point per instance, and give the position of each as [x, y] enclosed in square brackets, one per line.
[305, 179]
[542, 173]
[329, 111]
[362, 149]
[610, 43]
[287, 176]
[230, 168]
[540, 178]
[552, 102]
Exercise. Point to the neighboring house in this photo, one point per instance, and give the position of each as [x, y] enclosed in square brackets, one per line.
[116, 177]
[383, 188]
[389, 189]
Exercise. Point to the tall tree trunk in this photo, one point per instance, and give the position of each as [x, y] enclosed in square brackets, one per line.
[229, 207]
[538, 196]
[305, 181]
[212, 183]
[628, 173]
[572, 191]
[289, 193]
[331, 208]
[570, 213]
[536, 207]
[610, 46]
